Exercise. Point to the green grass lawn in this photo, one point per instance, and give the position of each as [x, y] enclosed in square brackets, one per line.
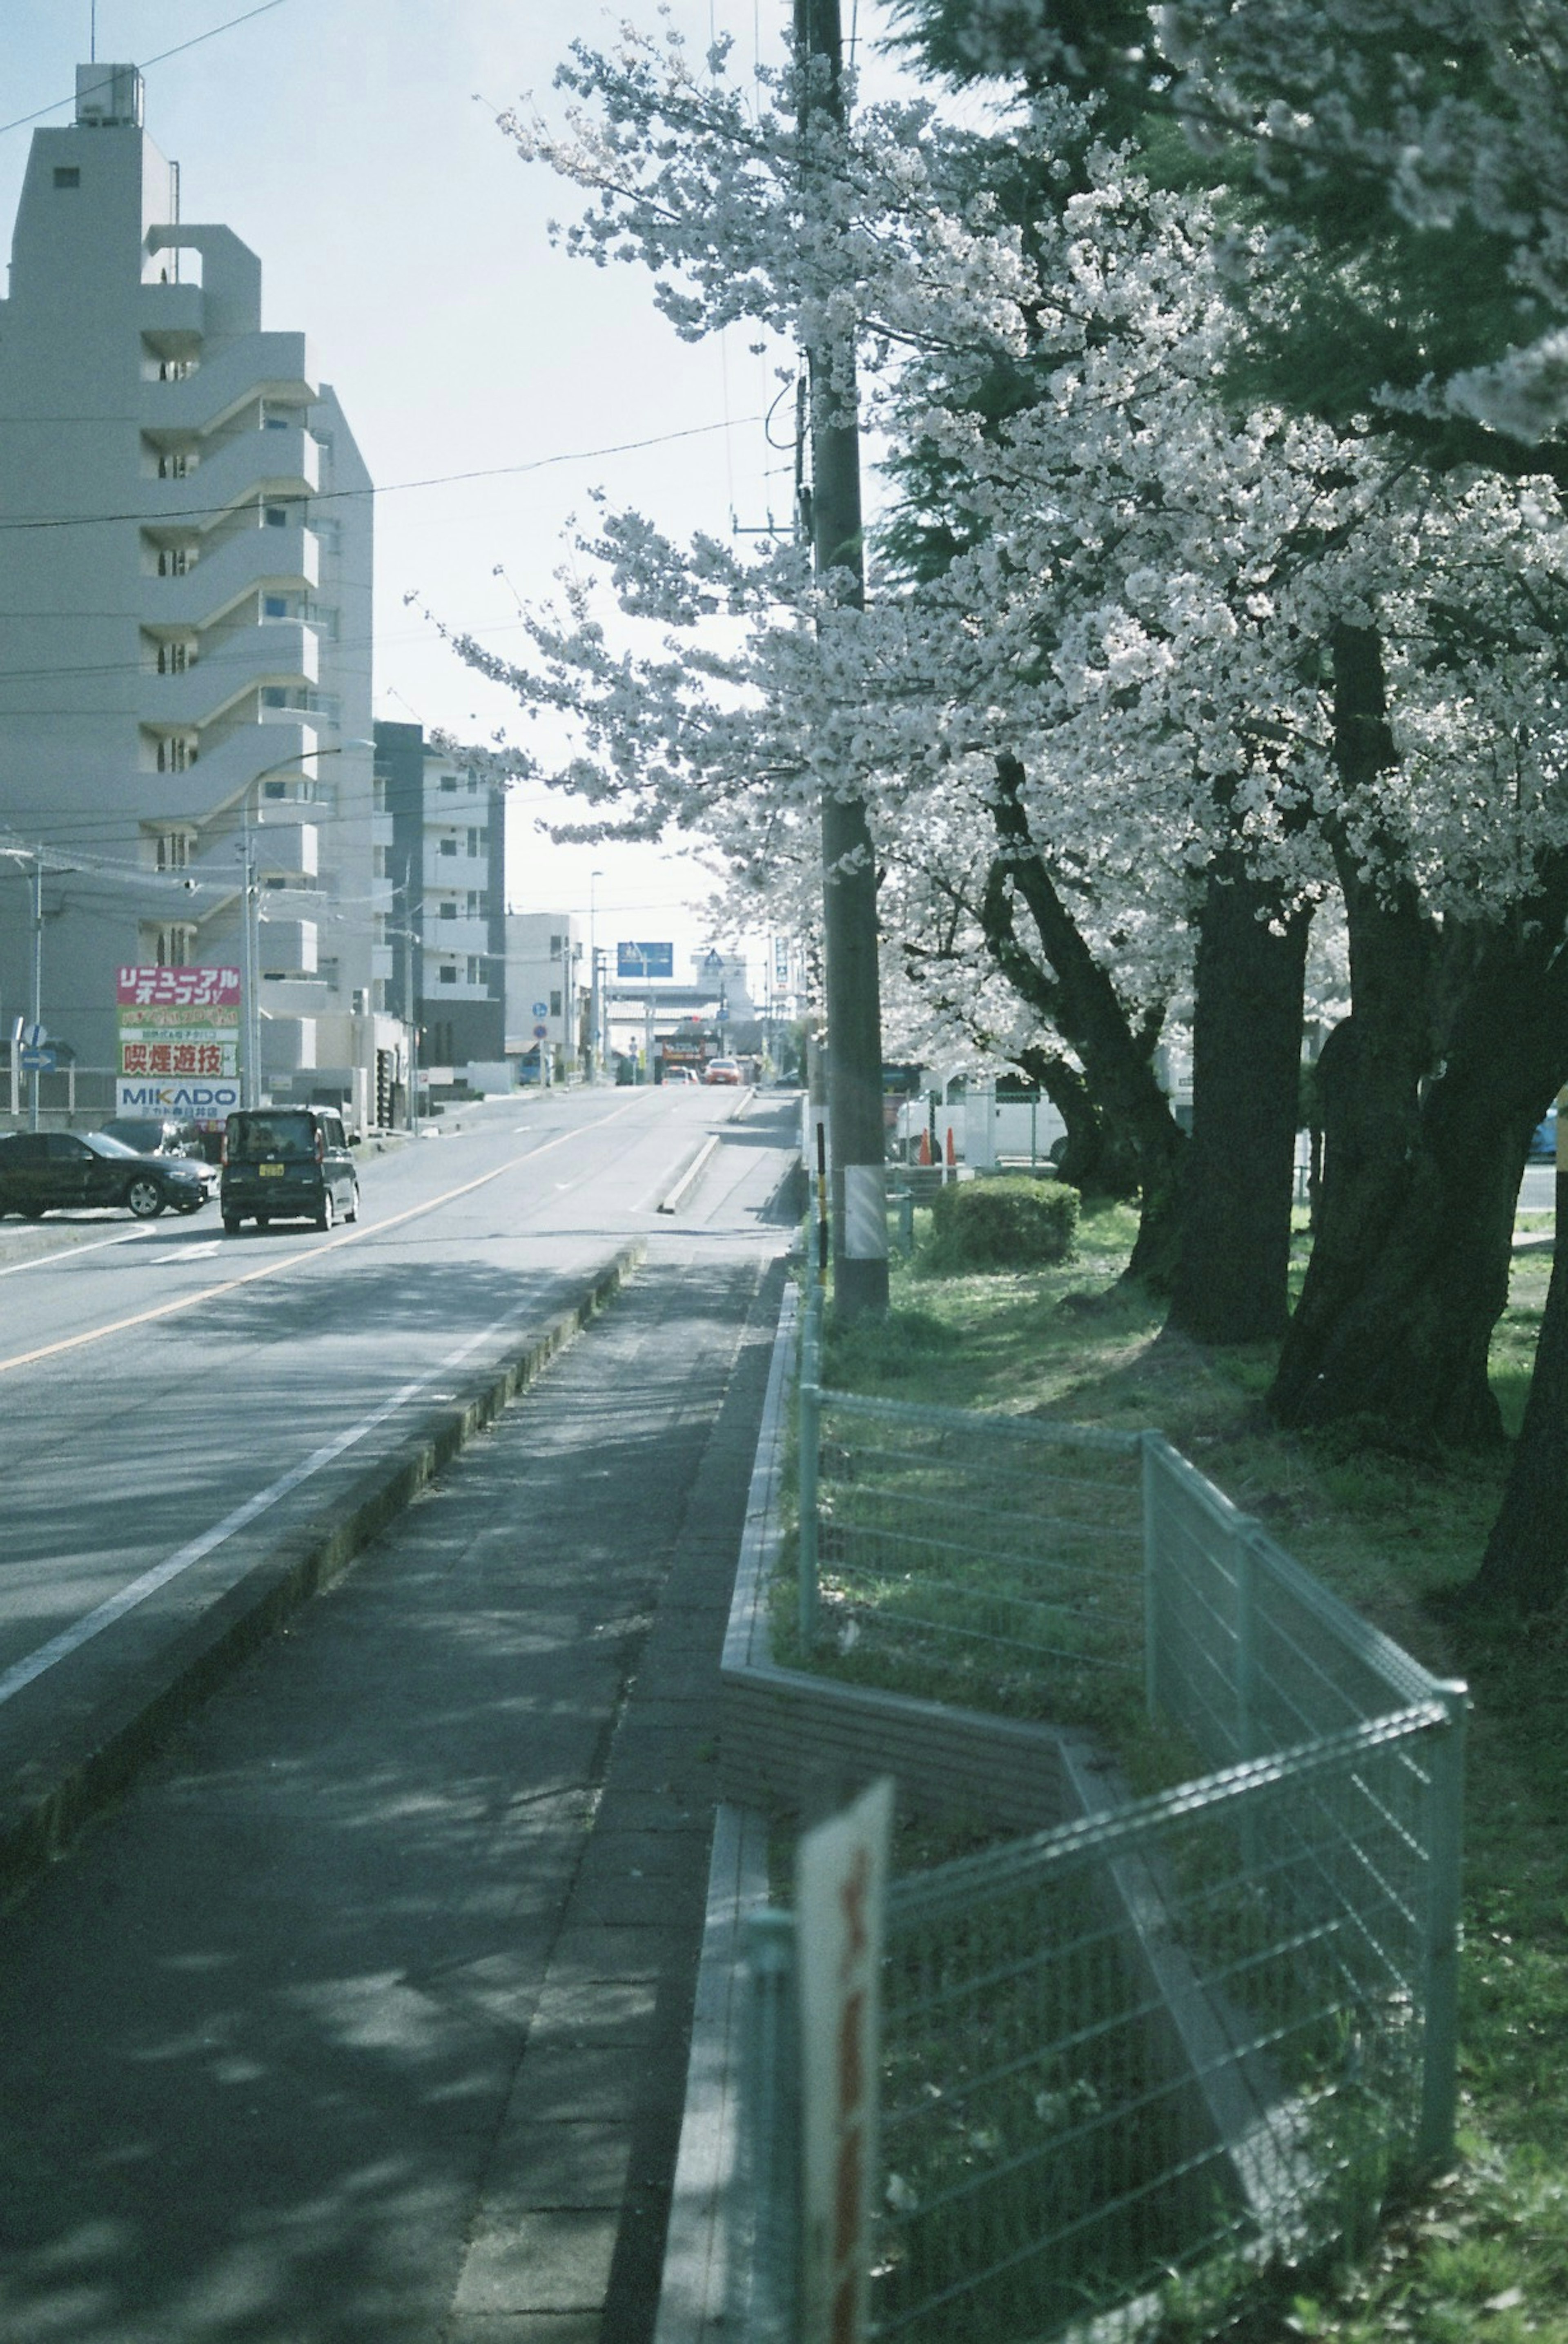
[1483, 2254]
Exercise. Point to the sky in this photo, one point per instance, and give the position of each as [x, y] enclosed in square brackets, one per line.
[352, 144]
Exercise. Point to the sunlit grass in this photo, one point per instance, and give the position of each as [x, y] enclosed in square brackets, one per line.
[1481, 2257]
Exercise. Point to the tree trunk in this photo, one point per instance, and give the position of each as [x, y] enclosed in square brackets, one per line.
[1430, 1092]
[1086, 1011]
[1097, 1159]
[1525, 1566]
[1238, 1176]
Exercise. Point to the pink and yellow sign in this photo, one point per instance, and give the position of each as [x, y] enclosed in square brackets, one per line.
[179, 1022]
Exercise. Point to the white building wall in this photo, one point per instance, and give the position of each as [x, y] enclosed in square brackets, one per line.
[190, 627]
[546, 961]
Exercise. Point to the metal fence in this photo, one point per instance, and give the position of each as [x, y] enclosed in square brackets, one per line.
[1129, 2062]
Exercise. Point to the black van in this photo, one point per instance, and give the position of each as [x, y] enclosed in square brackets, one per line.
[286, 1164]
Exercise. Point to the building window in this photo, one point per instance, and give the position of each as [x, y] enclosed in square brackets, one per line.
[555, 1004]
[449, 783]
[176, 849]
[66, 175]
[277, 516]
[175, 466]
[449, 910]
[449, 846]
[476, 972]
[275, 606]
[175, 753]
[472, 905]
[173, 658]
[173, 561]
[555, 947]
[275, 789]
[449, 973]
[378, 793]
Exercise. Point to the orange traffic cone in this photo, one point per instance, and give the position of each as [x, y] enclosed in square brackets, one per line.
[924, 1154]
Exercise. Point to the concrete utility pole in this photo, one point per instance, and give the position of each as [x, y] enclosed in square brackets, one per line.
[849, 865]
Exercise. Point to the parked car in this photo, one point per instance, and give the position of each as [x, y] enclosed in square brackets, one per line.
[682, 1075]
[1544, 1141]
[152, 1135]
[722, 1070]
[60, 1171]
[286, 1164]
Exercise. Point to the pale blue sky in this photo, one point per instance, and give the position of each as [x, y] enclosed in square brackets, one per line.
[400, 232]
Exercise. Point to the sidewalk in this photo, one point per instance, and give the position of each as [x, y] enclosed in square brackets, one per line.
[364, 2019]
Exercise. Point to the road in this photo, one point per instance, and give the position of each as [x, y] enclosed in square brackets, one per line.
[174, 1402]
[361, 2018]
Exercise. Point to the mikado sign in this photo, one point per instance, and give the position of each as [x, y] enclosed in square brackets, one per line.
[179, 1042]
[841, 1884]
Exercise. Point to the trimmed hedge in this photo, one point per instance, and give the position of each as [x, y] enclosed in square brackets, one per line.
[1011, 1223]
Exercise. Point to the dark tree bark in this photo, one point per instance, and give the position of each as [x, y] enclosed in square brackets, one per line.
[1068, 985]
[1238, 1176]
[1097, 1158]
[1525, 1566]
[1428, 1094]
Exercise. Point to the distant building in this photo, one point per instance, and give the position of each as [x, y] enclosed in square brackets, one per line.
[547, 985]
[185, 583]
[442, 943]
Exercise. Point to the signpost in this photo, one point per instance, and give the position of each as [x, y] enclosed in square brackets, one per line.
[841, 1881]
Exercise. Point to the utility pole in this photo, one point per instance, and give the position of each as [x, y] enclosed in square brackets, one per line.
[853, 982]
[35, 1077]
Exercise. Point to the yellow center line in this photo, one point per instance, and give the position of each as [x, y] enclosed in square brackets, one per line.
[312, 1253]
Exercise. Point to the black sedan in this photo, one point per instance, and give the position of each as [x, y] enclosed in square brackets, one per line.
[60, 1171]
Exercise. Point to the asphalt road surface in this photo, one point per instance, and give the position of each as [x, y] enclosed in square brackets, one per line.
[360, 2020]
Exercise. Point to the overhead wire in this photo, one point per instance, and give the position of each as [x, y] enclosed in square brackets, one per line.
[162, 57]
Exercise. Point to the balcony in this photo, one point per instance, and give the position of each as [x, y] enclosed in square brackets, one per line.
[288, 560]
[286, 462]
[287, 949]
[269, 366]
[287, 850]
[281, 656]
[172, 318]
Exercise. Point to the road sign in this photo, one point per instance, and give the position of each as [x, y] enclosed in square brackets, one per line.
[540, 1033]
[37, 1060]
[541, 1008]
[644, 960]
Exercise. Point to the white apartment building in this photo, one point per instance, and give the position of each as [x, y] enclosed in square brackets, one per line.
[441, 951]
[548, 985]
[185, 584]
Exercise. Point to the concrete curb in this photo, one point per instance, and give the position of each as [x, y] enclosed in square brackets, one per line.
[694, 2288]
[673, 1198]
[97, 1757]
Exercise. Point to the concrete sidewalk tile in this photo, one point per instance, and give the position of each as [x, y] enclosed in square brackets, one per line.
[571, 2164]
[599, 2084]
[539, 2261]
[614, 2011]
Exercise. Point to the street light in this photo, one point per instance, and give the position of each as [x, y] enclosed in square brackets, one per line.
[250, 1091]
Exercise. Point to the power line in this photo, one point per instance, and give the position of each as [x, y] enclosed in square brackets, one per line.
[393, 487]
[162, 58]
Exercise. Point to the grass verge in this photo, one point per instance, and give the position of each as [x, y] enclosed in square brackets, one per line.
[1483, 2255]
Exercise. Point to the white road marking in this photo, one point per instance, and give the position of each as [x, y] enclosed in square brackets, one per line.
[137, 1590]
[70, 1253]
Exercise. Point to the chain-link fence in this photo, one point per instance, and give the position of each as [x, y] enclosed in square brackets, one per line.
[1129, 2062]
